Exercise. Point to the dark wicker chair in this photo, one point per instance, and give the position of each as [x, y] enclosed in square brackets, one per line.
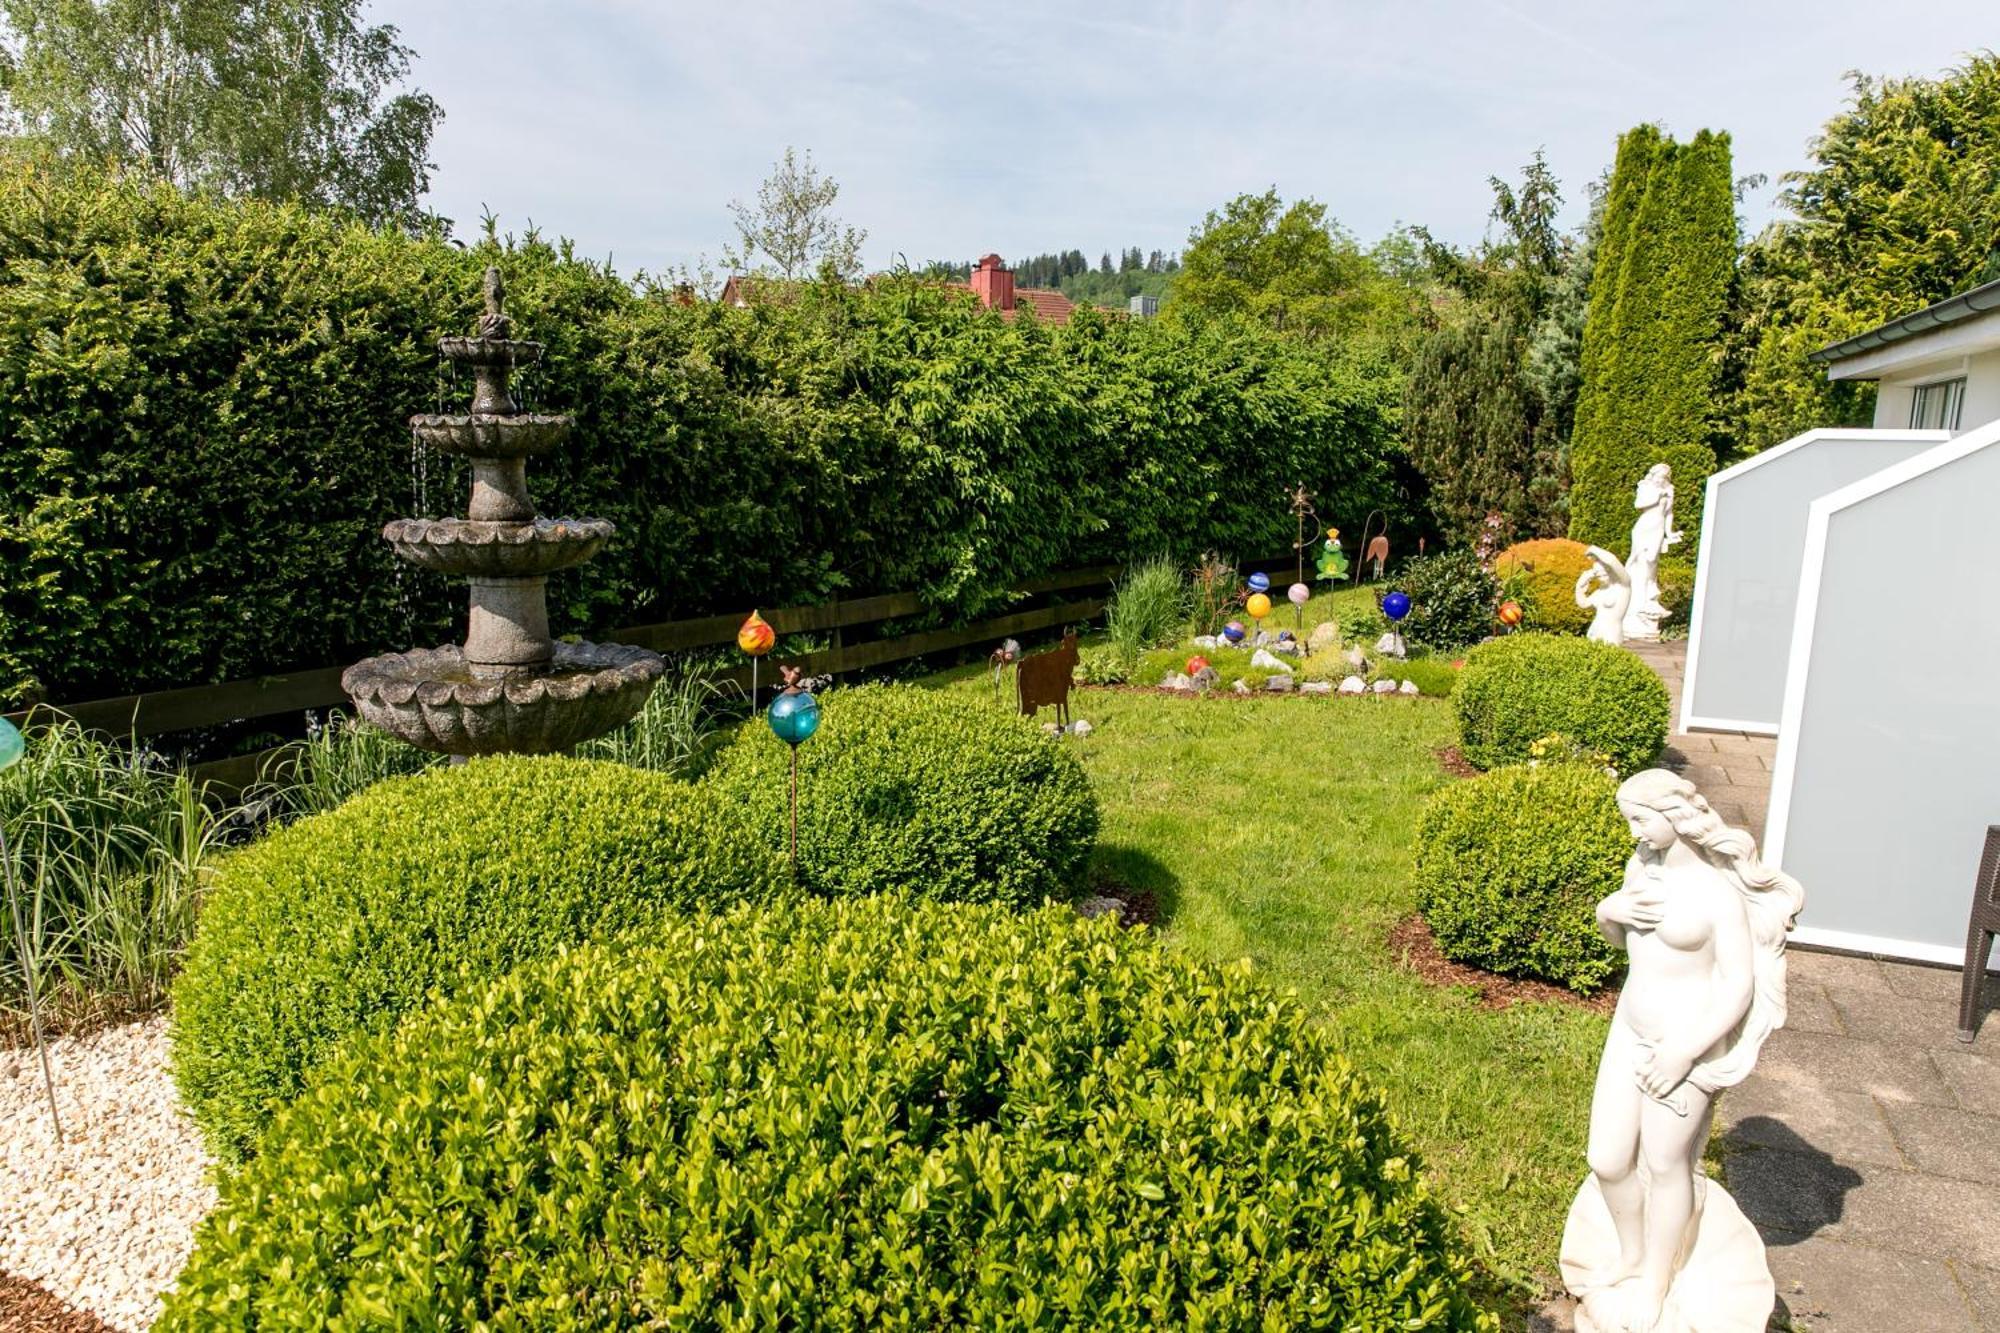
[1979, 933]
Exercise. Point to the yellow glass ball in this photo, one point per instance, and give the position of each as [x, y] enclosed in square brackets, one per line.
[1258, 606]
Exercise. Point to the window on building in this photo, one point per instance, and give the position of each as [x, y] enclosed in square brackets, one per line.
[1936, 406]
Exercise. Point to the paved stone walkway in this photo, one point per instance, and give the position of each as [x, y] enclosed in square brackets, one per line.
[1866, 1146]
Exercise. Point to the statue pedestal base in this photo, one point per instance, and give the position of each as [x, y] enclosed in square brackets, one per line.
[1723, 1285]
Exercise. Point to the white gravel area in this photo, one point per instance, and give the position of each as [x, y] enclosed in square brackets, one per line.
[106, 1220]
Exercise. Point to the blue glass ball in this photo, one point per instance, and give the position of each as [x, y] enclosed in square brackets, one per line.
[1396, 605]
[12, 747]
[793, 717]
[1233, 631]
[1260, 583]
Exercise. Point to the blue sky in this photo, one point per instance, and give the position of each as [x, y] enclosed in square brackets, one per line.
[955, 129]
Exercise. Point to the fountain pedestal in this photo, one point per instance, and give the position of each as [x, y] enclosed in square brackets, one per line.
[510, 686]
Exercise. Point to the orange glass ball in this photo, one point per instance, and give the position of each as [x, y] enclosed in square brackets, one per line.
[1510, 614]
[756, 637]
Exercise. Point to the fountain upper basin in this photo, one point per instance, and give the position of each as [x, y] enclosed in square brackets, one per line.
[491, 434]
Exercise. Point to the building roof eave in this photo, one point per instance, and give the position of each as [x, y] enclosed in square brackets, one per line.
[1966, 305]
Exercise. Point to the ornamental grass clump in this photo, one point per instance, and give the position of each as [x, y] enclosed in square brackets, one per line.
[924, 793]
[1511, 865]
[1530, 687]
[426, 885]
[859, 1114]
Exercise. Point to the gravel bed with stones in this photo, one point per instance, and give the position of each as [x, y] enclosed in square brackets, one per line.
[106, 1220]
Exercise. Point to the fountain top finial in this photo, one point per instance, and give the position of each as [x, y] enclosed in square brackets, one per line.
[494, 323]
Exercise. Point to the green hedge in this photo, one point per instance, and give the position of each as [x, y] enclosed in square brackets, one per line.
[1530, 687]
[858, 1115]
[1510, 868]
[1452, 599]
[1649, 362]
[203, 412]
[344, 921]
[926, 793]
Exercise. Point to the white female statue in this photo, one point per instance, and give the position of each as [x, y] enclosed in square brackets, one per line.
[1652, 1245]
[1606, 589]
[1652, 534]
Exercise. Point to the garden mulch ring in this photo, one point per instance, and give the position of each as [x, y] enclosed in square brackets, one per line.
[1453, 761]
[27, 1308]
[1413, 946]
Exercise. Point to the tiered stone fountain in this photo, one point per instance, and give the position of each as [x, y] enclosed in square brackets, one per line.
[510, 686]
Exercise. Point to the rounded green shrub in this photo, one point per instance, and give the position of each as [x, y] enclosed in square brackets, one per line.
[1546, 570]
[862, 1114]
[1676, 575]
[1535, 687]
[1452, 599]
[419, 885]
[1511, 865]
[925, 793]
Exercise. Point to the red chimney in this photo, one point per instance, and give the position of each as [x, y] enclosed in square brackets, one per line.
[994, 284]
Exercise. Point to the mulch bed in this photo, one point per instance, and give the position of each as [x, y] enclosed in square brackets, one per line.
[1224, 692]
[1453, 761]
[1412, 945]
[27, 1308]
[1137, 907]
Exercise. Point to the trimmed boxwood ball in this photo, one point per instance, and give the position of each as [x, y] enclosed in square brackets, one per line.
[347, 920]
[1528, 687]
[861, 1114]
[1547, 569]
[924, 793]
[1511, 865]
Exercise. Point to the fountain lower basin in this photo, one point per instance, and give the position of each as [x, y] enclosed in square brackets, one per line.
[435, 700]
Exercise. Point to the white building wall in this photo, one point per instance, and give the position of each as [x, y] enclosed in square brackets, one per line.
[1982, 391]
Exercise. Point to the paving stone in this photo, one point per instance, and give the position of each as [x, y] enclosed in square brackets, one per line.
[1982, 1289]
[1847, 1126]
[1947, 1142]
[1928, 983]
[1828, 1286]
[1836, 969]
[1747, 776]
[1807, 1009]
[1974, 1078]
[1848, 1064]
[1898, 1020]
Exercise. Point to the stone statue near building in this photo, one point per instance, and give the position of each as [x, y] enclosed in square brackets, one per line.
[1652, 534]
[1652, 1245]
[1606, 589]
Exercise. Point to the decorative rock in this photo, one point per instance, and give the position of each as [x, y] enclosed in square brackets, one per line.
[1316, 687]
[1207, 678]
[1264, 639]
[1051, 729]
[1391, 645]
[1354, 685]
[1241, 687]
[1263, 658]
[1080, 728]
[1408, 687]
[1100, 905]
[1289, 647]
[1324, 635]
[1206, 641]
[1279, 685]
[1176, 681]
[1356, 659]
[1385, 686]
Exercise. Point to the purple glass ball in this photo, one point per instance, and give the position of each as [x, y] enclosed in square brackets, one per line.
[1233, 631]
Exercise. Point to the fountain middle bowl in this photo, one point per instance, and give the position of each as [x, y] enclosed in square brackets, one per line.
[490, 549]
[430, 698]
[490, 434]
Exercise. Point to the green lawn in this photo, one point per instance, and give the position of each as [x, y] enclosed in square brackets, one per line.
[1278, 829]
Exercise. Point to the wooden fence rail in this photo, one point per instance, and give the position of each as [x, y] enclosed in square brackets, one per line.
[161, 712]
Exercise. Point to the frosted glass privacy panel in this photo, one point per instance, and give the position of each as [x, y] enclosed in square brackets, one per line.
[1753, 533]
[1888, 768]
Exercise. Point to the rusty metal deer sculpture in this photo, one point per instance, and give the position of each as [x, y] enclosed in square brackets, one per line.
[1045, 679]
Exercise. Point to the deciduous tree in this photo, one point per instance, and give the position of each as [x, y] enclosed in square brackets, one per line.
[792, 224]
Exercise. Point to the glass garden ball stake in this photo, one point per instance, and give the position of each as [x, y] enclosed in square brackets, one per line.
[794, 717]
[12, 747]
[1302, 509]
[755, 637]
[1396, 605]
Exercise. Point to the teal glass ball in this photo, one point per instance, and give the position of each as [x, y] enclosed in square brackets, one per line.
[793, 717]
[12, 747]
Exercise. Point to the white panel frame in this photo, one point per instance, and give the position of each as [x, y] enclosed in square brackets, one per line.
[1703, 571]
[1798, 670]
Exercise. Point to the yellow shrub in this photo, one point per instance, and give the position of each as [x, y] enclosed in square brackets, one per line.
[1543, 574]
